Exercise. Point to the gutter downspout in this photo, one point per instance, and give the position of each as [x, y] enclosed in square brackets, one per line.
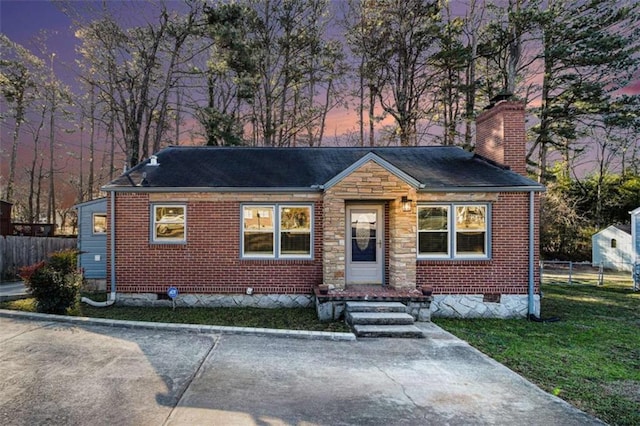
[112, 228]
[531, 300]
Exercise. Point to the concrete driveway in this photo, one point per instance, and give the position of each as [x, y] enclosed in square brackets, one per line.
[12, 290]
[76, 374]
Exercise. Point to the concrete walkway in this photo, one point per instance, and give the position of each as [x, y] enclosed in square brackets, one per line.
[124, 373]
[12, 290]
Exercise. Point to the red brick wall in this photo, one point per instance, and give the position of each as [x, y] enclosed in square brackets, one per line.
[501, 137]
[210, 260]
[507, 272]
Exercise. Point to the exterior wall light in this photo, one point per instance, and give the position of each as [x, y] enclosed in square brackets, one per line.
[406, 204]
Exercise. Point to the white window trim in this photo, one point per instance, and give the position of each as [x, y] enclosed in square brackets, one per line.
[452, 232]
[163, 240]
[93, 223]
[277, 231]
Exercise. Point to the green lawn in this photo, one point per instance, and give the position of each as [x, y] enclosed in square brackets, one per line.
[293, 319]
[590, 357]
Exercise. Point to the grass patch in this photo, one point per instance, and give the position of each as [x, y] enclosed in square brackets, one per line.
[590, 358]
[281, 318]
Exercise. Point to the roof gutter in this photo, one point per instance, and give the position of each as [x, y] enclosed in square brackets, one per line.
[112, 235]
[456, 189]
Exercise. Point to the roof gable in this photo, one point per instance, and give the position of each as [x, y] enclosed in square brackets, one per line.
[379, 161]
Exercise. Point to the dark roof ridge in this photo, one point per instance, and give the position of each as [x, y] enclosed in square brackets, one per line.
[363, 148]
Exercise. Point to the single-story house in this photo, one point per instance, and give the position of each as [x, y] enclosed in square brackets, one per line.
[267, 226]
[611, 248]
[92, 242]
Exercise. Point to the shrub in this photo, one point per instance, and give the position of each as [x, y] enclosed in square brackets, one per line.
[64, 261]
[54, 284]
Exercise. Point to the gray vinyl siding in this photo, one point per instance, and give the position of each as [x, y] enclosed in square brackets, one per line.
[92, 247]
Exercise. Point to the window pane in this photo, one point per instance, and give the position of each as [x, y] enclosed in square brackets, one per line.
[295, 243]
[295, 218]
[470, 218]
[363, 236]
[169, 222]
[258, 218]
[470, 243]
[363, 252]
[433, 243]
[433, 218]
[258, 243]
[99, 223]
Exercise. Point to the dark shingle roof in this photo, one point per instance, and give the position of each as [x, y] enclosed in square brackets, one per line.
[624, 227]
[434, 167]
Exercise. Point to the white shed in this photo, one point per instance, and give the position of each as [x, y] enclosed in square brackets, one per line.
[612, 248]
[635, 246]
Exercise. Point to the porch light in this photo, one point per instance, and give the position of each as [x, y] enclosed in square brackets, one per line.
[406, 204]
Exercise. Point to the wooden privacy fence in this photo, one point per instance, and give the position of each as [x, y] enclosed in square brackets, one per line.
[18, 251]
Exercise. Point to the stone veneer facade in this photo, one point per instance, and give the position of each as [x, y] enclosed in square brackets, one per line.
[370, 183]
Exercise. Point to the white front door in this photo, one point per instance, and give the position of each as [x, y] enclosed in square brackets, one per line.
[365, 241]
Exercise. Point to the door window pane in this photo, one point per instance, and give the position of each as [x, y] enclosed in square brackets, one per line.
[363, 237]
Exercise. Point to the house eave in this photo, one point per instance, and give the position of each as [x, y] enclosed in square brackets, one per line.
[313, 189]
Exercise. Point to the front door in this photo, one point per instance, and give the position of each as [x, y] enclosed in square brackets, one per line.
[365, 240]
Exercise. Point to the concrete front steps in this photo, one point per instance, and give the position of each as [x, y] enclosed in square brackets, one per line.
[381, 319]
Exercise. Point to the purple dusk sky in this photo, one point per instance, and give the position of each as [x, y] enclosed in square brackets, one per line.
[23, 20]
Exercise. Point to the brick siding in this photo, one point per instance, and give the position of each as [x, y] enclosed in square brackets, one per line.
[210, 260]
[507, 272]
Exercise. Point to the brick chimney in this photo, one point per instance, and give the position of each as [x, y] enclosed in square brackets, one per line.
[501, 137]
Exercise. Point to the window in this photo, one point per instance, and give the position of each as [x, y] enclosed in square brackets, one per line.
[99, 223]
[453, 231]
[295, 231]
[258, 228]
[614, 243]
[169, 223]
[433, 230]
[276, 231]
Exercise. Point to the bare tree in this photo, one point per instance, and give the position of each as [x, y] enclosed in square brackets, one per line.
[401, 39]
[20, 74]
